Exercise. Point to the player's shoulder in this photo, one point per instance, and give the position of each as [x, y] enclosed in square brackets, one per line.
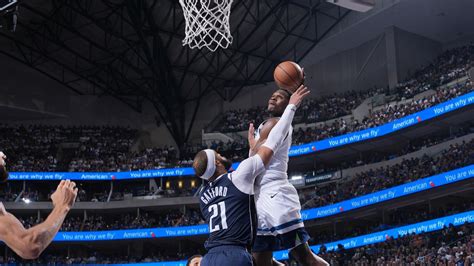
[218, 182]
[266, 126]
[272, 120]
[269, 123]
[202, 189]
[227, 179]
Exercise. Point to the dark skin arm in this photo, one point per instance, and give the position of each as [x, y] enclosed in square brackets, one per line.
[29, 243]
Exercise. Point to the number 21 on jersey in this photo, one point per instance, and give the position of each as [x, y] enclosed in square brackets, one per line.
[217, 210]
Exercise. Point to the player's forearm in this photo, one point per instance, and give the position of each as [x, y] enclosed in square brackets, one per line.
[254, 150]
[281, 129]
[41, 235]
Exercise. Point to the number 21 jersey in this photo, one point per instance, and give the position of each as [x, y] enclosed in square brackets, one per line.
[229, 212]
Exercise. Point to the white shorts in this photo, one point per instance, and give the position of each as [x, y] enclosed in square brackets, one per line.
[278, 208]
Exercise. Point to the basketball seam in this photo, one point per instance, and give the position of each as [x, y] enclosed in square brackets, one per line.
[288, 74]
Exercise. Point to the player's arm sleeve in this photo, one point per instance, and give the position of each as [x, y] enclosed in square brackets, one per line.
[281, 129]
[244, 177]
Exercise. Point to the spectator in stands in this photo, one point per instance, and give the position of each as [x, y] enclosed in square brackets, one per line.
[195, 260]
[412, 249]
[455, 156]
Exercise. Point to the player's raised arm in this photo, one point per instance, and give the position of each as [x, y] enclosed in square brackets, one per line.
[281, 128]
[244, 176]
[29, 243]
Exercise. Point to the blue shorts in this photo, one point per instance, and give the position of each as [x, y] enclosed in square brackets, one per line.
[284, 241]
[227, 255]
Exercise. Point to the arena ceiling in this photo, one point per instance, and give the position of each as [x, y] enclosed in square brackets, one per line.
[439, 20]
[132, 50]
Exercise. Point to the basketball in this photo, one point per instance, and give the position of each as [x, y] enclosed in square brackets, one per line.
[167, 143]
[288, 75]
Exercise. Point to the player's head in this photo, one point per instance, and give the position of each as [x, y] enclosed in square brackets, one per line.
[278, 102]
[194, 260]
[3, 169]
[208, 164]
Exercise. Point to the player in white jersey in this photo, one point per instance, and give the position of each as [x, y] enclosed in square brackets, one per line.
[280, 225]
[226, 200]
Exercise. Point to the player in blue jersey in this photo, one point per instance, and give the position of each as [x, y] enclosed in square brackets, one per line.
[226, 201]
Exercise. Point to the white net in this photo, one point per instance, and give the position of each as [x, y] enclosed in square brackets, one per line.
[207, 23]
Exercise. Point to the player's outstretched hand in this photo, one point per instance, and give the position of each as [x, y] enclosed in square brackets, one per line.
[65, 194]
[299, 95]
[251, 137]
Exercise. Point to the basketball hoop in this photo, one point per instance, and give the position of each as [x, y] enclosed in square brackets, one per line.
[207, 23]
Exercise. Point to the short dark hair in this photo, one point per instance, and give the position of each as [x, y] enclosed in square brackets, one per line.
[200, 163]
[286, 93]
[193, 257]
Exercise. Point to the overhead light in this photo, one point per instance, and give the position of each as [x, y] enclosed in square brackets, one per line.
[296, 177]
